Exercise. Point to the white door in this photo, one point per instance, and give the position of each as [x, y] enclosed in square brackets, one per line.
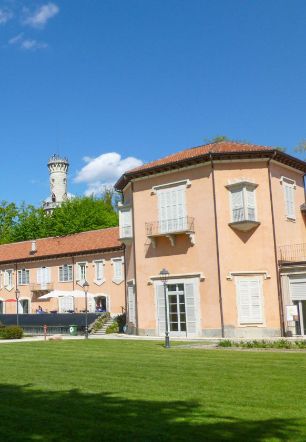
[181, 309]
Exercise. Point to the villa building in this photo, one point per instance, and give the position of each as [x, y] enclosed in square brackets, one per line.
[227, 220]
[60, 265]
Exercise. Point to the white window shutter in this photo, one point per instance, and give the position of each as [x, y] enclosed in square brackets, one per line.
[289, 200]
[190, 305]
[255, 298]
[161, 309]
[131, 304]
[6, 279]
[250, 196]
[244, 301]
[237, 205]
[39, 276]
[250, 301]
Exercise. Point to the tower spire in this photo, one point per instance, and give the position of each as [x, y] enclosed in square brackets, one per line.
[58, 170]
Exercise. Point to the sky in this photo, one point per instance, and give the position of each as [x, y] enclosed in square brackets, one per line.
[114, 83]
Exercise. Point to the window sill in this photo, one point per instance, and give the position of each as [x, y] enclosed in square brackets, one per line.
[245, 225]
[117, 281]
[65, 282]
[290, 220]
[102, 281]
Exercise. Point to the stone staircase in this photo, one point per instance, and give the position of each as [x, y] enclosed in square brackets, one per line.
[102, 330]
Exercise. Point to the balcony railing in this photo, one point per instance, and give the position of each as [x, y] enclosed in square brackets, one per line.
[292, 253]
[42, 287]
[126, 232]
[170, 228]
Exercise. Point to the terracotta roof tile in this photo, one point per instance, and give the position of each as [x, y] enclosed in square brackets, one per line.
[218, 150]
[62, 245]
[193, 152]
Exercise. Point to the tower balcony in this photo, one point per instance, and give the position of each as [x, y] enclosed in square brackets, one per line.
[170, 229]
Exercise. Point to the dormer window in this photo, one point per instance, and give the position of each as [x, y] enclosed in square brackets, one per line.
[243, 205]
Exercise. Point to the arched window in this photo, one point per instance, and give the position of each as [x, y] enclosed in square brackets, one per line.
[53, 198]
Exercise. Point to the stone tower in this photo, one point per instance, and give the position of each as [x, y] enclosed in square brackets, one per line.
[58, 170]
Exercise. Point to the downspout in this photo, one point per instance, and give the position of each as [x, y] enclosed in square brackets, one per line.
[279, 292]
[217, 245]
[125, 282]
[134, 257]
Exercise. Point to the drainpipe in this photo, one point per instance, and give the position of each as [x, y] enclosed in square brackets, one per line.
[134, 256]
[217, 245]
[279, 292]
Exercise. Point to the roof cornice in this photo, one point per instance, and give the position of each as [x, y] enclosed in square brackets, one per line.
[202, 158]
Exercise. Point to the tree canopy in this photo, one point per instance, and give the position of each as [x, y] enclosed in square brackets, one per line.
[25, 222]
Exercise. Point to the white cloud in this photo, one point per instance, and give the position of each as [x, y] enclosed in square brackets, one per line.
[5, 16]
[104, 170]
[33, 45]
[16, 39]
[40, 17]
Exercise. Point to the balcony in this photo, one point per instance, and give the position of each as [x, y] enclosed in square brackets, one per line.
[43, 287]
[126, 234]
[244, 219]
[292, 253]
[170, 229]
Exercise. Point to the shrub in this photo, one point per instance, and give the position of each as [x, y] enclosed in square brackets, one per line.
[113, 328]
[11, 332]
[225, 343]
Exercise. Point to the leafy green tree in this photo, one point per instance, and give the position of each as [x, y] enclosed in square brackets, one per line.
[76, 215]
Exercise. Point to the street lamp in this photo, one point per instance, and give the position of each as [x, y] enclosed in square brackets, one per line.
[85, 287]
[17, 293]
[164, 274]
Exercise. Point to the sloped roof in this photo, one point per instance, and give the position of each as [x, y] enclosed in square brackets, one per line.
[78, 243]
[219, 150]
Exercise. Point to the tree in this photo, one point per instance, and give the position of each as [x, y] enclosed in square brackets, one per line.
[301, 147]
[77, 215]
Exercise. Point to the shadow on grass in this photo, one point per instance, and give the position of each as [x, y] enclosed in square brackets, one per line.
[34, 415]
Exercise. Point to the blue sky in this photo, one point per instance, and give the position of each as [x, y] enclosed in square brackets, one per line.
[141, 79]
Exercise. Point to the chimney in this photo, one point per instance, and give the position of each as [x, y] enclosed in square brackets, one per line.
[33, 247]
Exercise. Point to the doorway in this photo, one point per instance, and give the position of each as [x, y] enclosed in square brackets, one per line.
[23, 306]
[101, 304]
[176, 309]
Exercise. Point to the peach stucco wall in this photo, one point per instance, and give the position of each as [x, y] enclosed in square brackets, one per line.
[114, 292]
[251, 251]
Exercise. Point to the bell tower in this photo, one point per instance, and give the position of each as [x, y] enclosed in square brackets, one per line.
[58, 171]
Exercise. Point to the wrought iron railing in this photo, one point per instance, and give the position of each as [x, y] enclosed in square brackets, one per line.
[292, 253]
[168, 226]
[126, 232]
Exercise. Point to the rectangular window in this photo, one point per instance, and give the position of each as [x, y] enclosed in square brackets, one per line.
[99, 271]
[8, 279]
[82, 266]
[243, 204]
[172, 209]
[65, 273]
[249, 293]
[289, 195]
[117, 270]
[23, 277]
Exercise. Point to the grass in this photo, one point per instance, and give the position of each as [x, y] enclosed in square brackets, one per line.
[138, 391]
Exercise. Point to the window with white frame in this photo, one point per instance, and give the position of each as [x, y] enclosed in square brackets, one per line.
[117, 270]
[125, 222]
[23, 277]
[250, 300]
[82, 271]
[289, 187]
[99, 271]
[172, 208]
[65, 273]
[8, 279]
[243, 202]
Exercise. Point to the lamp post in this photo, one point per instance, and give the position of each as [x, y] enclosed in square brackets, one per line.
[164, 274]
[85, 287]
[17, 293]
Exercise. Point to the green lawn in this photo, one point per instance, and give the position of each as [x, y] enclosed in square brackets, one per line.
[138, 391]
